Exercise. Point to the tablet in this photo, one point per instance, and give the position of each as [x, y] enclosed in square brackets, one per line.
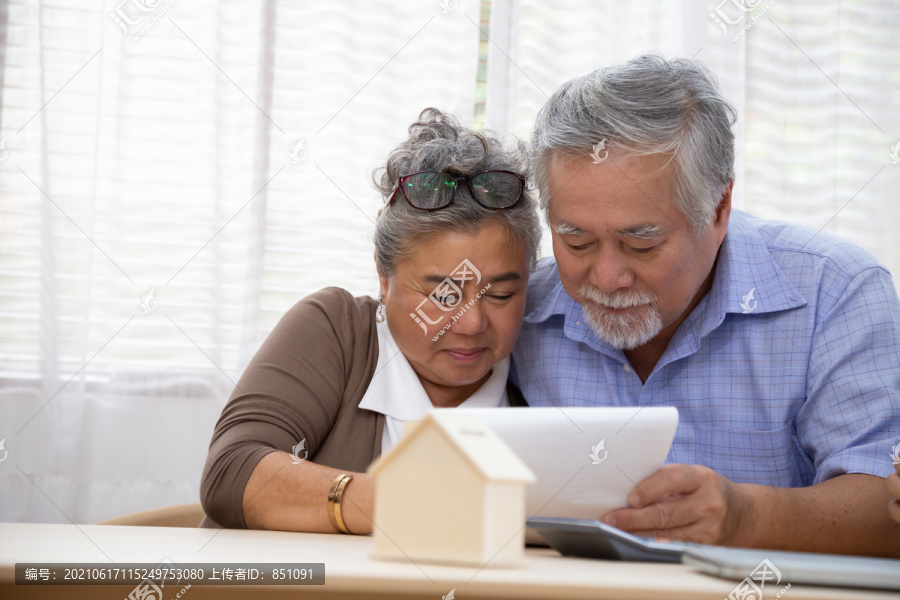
[595, 539]
[586, 459]
[782, 568]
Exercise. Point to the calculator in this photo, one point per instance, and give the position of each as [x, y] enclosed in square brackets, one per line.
[594, 539]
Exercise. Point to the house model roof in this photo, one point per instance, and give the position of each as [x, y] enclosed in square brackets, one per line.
[474, 440]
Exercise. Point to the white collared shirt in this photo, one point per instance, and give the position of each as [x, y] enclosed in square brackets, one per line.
[396, 392]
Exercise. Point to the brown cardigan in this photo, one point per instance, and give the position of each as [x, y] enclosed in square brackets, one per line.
[305, 382]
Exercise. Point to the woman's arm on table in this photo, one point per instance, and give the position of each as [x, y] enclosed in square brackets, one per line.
[293, 391]
[293, 497]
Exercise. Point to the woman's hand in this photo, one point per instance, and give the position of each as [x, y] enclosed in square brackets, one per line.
[284, 495]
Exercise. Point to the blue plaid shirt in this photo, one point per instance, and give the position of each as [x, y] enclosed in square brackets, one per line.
[790, 387]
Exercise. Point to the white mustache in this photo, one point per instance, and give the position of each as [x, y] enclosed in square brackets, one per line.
[617, 300]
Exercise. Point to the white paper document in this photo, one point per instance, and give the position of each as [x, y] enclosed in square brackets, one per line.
[587, 460]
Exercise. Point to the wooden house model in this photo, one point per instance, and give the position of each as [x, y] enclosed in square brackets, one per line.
[450, 491]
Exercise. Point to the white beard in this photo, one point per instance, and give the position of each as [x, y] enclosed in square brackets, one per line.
[624, 331]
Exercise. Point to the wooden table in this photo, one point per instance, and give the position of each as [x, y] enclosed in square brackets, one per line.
[349, 570]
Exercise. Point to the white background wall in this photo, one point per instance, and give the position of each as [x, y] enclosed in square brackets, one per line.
[159, 158]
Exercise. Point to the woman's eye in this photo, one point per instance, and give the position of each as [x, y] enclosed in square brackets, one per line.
[579, 246]
[446, 299]
[501, 296]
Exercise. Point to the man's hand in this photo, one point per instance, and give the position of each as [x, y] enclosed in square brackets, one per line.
[842, 515]
[893, 486]
[688, 503]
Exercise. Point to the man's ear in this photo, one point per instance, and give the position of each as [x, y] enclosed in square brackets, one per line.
[723, 212]
[724, 207]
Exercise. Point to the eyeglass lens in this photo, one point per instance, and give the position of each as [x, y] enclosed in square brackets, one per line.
[435, 190]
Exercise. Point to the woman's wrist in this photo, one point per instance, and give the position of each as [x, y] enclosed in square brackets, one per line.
[356, 504]
[335, 500]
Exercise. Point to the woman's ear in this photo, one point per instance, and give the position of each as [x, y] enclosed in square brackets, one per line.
[384, 282]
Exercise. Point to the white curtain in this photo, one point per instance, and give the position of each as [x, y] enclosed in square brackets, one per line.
[815, 85]
[216, 154]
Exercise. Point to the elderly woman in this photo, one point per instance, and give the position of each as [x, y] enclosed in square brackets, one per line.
[330, 388]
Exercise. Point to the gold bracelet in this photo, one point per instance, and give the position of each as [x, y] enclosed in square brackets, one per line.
[335, 495]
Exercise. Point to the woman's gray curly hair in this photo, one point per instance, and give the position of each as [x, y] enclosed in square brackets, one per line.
[437, 142]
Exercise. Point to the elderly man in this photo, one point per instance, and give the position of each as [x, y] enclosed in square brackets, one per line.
[778, 344]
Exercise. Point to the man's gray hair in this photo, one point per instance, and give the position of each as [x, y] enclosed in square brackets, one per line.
[649, 105]
[437, 142]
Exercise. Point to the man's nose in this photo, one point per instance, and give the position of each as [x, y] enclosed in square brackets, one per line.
[610, 272]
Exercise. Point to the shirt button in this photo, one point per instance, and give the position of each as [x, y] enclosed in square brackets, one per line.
[627, 368]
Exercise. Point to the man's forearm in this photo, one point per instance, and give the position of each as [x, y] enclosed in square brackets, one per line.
[844, 515]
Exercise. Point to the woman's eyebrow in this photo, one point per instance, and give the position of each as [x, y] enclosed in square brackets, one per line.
[508, 276]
